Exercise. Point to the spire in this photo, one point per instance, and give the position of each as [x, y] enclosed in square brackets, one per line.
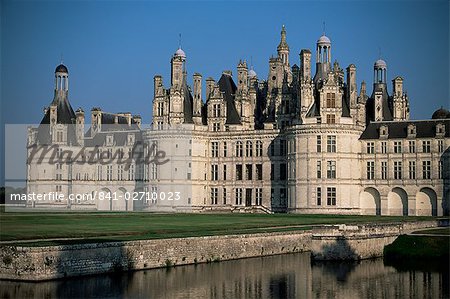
[283, 44]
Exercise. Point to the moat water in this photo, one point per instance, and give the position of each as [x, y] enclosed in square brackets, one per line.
[282, 276]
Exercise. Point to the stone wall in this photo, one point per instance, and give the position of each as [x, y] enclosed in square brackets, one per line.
[41, 263]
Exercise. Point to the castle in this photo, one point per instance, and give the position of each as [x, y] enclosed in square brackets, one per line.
[296, 143]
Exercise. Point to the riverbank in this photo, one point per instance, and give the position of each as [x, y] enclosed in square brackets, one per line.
[52, 262]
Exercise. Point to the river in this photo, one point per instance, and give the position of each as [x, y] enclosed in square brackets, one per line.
[282, 276]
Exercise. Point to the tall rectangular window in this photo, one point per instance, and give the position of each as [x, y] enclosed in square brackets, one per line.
[426, 170]
[224, 198]
[160, 109]
[238, 196]
[249, 171]
[384, 170]
[215, 149]
[331, 100]
[331, 169]
[259, 174]
[259, 148]
[370, 170]
[239, 149]
[319, 169]
[370, 147]
[214, 172]
[383, 147]
[397, 147]
[397, 170]
[216, 110]
[224, 149]
[224, 172]
[239, 172]
[216, 127]
[214, 195]
[319, 143]
[272, 172]
[248, 149]
[331, 196]
[319, 196]
[412, 170]
[331, 144]
[440, 146]
[120, 172]
[283, 171]
[440, 168]
[412, 146]
[258, 196]
[426, 146]
[109, 172]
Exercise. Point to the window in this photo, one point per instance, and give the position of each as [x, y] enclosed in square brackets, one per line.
[331, 118]
[412, 146]
[440, 146]
[283, 171]
[109, 172]
[214, 195]
[412, 170]
[397, 147]
[131, 173]
[224, 172]
[319, 143]
[224, 149]
[319, 169]
[272, 172]
[153, 172]
[238, 196]
[214, 172]
[370, 170]
[239, 172]
[249, 149]
[120, 172]
[440, 167]
[259, 148]
[258, 196]
[259, 174]
[216, 110]
[239, 149]
[224, 196]
[426, 146]
[331, 144]
[397, 170]
[384, 170]
[426, 170]
[99, 173]
[331, 196]
[160, 109]
[331, 169]
[331, 100]
[370, 147]
[215, 148]
[383, 147]
[216, 127]
[248, 171]
[319, 196]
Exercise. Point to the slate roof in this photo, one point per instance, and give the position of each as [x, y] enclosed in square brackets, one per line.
[398, 129]
[227, 86]
[119, 138]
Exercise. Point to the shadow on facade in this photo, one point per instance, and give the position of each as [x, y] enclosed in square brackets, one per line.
[278, 173]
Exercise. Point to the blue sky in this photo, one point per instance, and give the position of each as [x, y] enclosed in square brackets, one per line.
[113, 49]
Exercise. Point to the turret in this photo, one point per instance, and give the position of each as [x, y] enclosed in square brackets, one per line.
[283, 48]
[242, 87]
[352, 91]
[79, 126]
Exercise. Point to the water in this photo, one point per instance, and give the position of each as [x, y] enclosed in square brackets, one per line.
[282, 276]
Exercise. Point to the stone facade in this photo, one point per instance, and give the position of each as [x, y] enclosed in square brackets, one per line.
[295, 142]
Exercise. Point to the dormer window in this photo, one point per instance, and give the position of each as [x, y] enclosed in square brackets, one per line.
[411, 131]
[384, 131]
[130, 139]
[109, 140]
[440, 130]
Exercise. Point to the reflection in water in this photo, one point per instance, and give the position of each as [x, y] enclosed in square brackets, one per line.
[283, 276]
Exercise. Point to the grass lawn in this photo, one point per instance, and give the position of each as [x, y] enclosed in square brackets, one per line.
[435, 231]
[119, 226]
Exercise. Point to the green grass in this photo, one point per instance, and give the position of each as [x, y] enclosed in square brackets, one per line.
[410, 247]
[435, 231]
[101, 226]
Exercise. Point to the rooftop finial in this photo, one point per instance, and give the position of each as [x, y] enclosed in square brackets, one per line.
[62, 58]
[179, 40]
[323, 24]
[379, 52]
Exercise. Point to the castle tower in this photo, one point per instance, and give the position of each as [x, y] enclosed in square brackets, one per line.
[197, 105]
[242, 87]
[176, 103]
[400, 100]
[80, 126]
[352, 91]
[323, 58]
[283, 48]
[380, 95]
[178, 65]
